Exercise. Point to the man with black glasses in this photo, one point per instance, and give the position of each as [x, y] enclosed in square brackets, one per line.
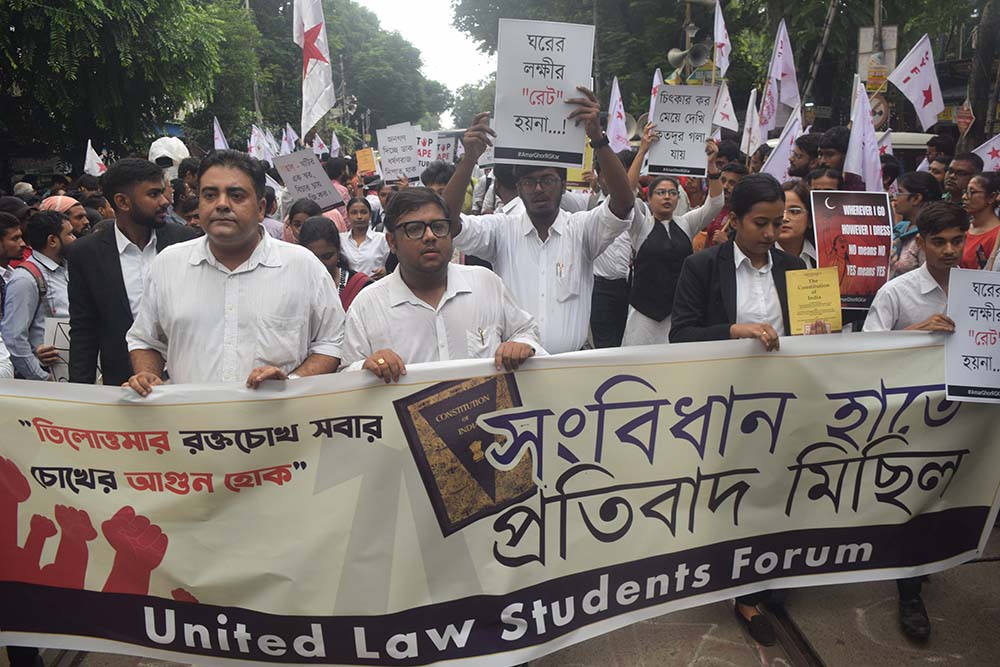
[430, 309]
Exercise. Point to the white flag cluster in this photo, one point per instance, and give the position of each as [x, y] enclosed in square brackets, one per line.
[782, 85]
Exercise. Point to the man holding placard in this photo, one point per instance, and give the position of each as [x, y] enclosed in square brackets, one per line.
[546, 255]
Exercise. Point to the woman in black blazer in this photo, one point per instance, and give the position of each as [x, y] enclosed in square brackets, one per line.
[709, 305]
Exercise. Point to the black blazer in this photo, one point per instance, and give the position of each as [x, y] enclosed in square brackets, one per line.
[99, 311]
[705, 301]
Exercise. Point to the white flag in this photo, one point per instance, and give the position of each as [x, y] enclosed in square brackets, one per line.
[725, 114]
[751, 126]
[334, 145]
[309, 32]
[617, 129]
[778, 161]
[782, 85]
[288, 139]
[218, 137]
[93, 164]
[657, 82]
[862, 150]
[318, 146]
[923, 166]
[255, 147]
[722, 46]
[273, 148]
[916, 78]
[885, 143]
[990, 152]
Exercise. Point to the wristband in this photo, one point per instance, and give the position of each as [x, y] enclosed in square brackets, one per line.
[600, 143]
[714, 177]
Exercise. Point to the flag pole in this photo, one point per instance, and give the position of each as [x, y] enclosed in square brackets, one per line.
[884, 86]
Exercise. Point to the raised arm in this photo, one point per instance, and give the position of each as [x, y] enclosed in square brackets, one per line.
[475, 140]
[621, 197]
[649, 135]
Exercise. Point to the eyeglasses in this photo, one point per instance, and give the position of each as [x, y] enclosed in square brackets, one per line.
[415, 229]
[662, 192]
[547, 182]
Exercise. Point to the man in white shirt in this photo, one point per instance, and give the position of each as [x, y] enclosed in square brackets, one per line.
[6, 367]
[37, 289]
[235, 304]
[918, 300]
[429, 309]
[546, 255]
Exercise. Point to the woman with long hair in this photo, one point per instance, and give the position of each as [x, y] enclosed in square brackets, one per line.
[320, 236]
[796, 233]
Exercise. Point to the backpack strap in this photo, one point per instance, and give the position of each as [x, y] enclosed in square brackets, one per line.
[43, 287]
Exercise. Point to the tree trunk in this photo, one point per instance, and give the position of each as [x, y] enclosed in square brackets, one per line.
[982, 75]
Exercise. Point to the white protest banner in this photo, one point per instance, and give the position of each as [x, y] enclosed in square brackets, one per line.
[971, 363]
[853, 232]
[335, 520]
[683, 118]
[397, 147]
[303, 176]
[539, 66]
[426, 143]
[57, 335]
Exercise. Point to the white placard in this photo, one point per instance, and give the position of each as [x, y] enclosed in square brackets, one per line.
[397, 147]
[57, 334]
[971, 362]
[539, 66]
[426, 149]
[304, 178]
[683, 118]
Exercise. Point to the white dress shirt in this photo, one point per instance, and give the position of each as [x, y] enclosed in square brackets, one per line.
[216, 325]
[808, 254]
[368, 256]
[136, 264]
[475, 314]
[613, 263]
[756, 295]
[906, 300]
[6, 367]
[553, 280]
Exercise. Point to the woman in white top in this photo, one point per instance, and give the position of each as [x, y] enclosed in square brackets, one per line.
[796, 233]
[364, 249]
[662, 242]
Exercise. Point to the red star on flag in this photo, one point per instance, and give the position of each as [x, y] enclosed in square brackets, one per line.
[995, 153]
[618, 114]
[103, 168]
[309, 49]
[881, 150]
[928, 96]
[725, 116]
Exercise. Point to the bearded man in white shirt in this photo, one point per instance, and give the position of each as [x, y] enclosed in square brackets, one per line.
[429, 309]
[235, 304]
[546, 255]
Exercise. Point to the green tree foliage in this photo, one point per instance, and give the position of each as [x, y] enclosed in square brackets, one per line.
[231, 99]
[111, 70]
[471, 99]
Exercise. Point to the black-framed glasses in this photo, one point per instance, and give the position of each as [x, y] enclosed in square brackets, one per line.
[415, 229]
[547, 182]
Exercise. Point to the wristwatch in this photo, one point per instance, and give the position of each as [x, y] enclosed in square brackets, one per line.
[603, 141]
[714, 177]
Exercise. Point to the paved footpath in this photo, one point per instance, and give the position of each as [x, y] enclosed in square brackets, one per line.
[830, 626]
